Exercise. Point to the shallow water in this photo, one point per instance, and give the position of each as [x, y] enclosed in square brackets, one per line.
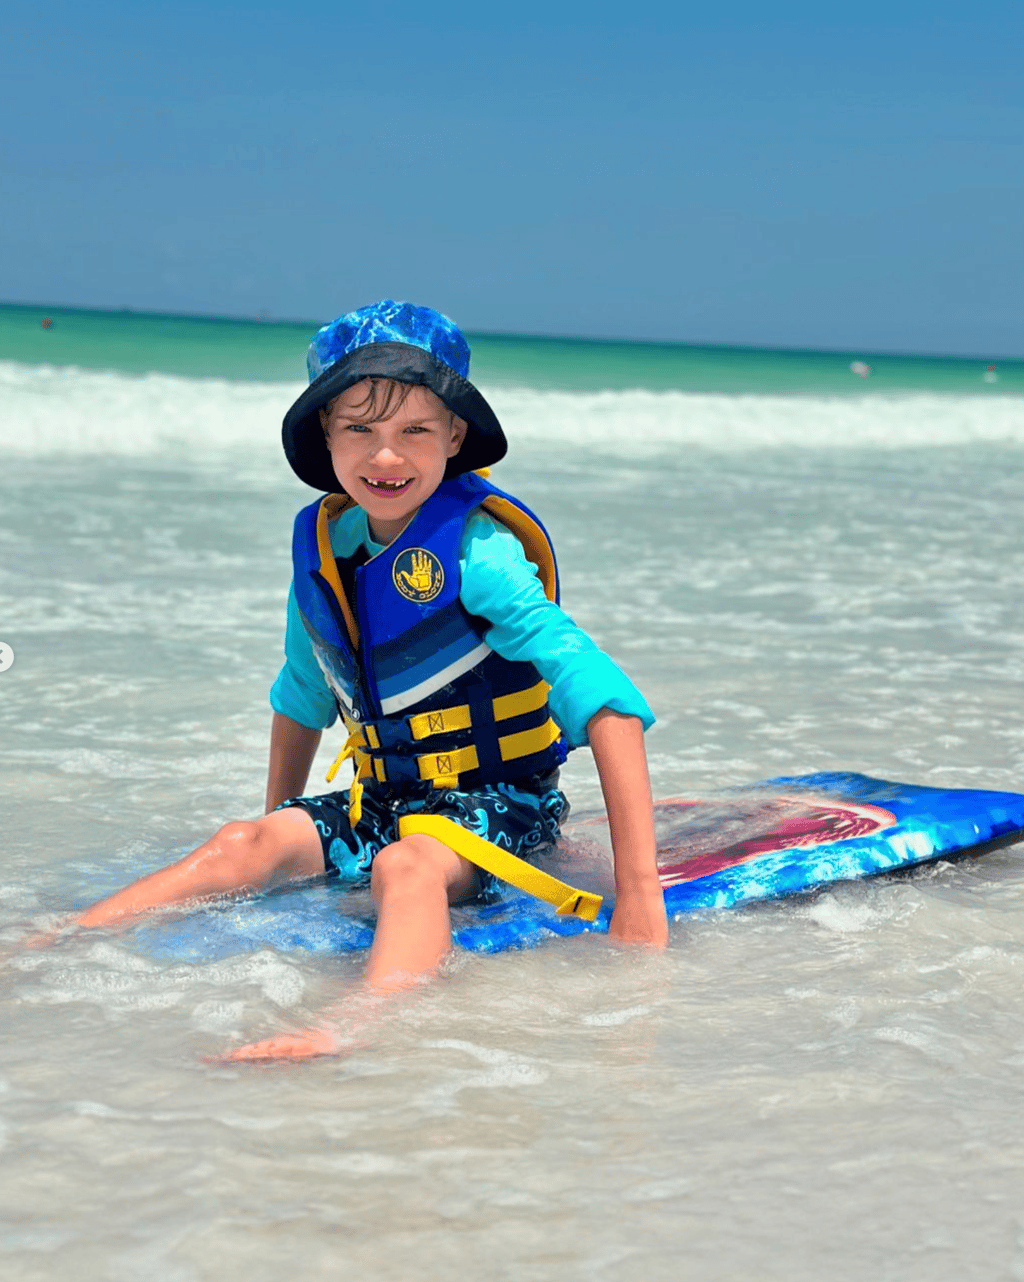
[825, 1087]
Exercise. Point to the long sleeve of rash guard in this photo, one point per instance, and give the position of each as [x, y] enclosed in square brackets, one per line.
[501, 585]
[300, 691]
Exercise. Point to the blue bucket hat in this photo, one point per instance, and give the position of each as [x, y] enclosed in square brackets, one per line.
[403, 342]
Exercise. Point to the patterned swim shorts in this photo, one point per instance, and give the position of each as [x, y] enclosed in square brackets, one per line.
[523, 818]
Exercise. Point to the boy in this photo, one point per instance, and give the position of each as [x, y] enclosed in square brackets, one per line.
[423, 609]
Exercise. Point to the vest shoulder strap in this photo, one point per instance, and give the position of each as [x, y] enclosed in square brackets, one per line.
[531, 534]
[330, 507]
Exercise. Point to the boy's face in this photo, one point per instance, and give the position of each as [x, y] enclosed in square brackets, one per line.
[393, 465]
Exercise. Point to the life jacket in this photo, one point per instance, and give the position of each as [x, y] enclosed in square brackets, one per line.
[423, 695]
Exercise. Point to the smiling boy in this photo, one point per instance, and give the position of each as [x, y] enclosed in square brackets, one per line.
[424, 611]
[390, 465]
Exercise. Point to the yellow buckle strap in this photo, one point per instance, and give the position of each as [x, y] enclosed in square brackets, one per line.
[354, 751]
[442, 769]
[568, 901]
[521, 702]
[527, 742]
[423, 724]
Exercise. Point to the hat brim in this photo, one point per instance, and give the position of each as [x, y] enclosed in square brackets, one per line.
[303, 436]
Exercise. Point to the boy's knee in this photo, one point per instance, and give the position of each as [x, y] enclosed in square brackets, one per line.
[240, 834]
[403, 866]
[283, 845]
[242, 846]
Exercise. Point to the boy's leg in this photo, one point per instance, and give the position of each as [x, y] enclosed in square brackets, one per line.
[414, 881]
[250, 855]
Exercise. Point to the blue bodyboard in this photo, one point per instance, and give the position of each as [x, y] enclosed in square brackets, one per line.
[766, 841]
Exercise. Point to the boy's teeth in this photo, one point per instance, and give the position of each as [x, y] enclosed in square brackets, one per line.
[387, 485]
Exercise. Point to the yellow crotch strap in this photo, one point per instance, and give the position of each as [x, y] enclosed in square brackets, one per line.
[568, 901]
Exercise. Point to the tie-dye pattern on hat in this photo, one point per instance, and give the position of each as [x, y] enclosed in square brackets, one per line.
[389, 322]
[403, 343]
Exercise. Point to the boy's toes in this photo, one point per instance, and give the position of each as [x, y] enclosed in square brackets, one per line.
[291, 1046]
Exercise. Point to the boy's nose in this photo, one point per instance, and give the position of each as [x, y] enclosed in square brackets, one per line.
[387, 455]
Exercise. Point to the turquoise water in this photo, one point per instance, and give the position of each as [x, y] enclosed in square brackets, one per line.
[199, 347]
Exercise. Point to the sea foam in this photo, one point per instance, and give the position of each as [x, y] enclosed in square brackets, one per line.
[45, 409]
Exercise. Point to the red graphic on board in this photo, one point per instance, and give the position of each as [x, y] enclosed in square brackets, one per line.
[697, 838]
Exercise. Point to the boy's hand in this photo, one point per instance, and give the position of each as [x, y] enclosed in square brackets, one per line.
[639, 917]
[290, 1046]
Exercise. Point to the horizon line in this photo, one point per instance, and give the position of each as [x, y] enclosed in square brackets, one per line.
[265, 318]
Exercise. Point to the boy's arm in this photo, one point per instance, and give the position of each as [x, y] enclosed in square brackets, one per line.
[617, 743]
[292, 749]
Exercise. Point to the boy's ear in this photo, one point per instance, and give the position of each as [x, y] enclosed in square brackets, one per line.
[458, 435]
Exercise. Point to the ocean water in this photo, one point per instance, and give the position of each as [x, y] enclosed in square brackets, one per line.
[802, 568]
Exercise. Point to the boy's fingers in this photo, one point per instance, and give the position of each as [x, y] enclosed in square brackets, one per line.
[639, 924]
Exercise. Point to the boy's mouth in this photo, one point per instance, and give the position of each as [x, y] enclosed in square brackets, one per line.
[387, 487]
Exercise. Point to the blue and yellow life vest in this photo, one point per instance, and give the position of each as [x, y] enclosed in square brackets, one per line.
[424, 698]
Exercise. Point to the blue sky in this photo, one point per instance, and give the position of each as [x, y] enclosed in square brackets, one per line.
[796, 175]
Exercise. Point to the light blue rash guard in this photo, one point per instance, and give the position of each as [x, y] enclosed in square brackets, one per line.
[500, 585]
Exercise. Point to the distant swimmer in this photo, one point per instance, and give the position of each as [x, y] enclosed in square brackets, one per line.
[860, 369]
[991, 374]
[47, 323]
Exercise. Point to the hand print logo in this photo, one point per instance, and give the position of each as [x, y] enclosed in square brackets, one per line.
[417, 574]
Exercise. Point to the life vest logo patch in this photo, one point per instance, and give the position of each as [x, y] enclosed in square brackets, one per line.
[418, 575]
